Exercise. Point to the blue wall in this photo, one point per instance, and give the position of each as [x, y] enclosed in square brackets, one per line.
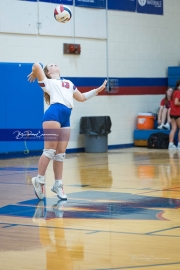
[173, 76]
[21, 105]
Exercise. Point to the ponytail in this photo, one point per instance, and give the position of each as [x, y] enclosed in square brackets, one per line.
[46, 95]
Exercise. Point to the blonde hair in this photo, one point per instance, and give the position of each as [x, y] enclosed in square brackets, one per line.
[46, 95]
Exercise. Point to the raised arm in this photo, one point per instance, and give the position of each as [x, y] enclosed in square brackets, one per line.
[37, 73]
[87, 95]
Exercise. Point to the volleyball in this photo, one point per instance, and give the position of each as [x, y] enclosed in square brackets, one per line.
[62, 13]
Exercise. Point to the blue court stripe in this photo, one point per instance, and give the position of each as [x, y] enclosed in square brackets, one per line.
[22, 169]
[20, 154]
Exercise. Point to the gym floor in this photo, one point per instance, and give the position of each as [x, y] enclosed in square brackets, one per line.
[122, 212]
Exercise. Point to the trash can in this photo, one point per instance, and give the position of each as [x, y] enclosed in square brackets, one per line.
[95, 130]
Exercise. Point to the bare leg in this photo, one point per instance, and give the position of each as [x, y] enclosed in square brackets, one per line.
[51, 126]
[164, 115]
[168, 116]
[61, 148]
[178, 125]
[58, 170]
[173, 130]
[58, 163]
[42, 164]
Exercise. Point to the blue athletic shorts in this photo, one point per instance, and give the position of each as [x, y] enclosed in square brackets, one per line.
[58, 112]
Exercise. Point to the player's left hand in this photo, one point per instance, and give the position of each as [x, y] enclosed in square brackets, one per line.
[31, 77]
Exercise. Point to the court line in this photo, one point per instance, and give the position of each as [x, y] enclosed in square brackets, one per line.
[149, 191]
[85, 230]
[164, 230]
[20, 183]
[93, 232]
[9, 225]
[154, 190]
[138, 266]
[173, 189]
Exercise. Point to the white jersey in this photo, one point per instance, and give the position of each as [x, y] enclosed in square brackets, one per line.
[60, 91]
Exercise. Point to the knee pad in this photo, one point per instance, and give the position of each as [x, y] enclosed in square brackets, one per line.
[50, 153]
[60, 157]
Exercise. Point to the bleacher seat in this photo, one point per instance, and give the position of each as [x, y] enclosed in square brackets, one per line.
[141, 135]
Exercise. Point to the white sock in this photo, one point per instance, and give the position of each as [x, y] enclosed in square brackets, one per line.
[41, 178]
[178, 143]
[58, 182]
[171, 143]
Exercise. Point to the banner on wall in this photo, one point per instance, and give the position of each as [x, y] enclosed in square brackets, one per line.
[29, 0]
[91, 3]
[150, 6]
[65, 2]
[126, 5]
[140, 6]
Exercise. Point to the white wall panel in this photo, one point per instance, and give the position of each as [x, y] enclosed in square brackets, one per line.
[139, 45]
[143, 42]
[18, 17]
[49, 26]
[90, 23]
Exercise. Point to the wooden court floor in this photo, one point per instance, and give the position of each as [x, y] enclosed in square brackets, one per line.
[122, 212]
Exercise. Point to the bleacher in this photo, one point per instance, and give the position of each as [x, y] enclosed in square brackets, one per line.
[141, 135]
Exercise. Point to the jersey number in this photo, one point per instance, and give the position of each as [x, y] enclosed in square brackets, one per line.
[65, 84]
